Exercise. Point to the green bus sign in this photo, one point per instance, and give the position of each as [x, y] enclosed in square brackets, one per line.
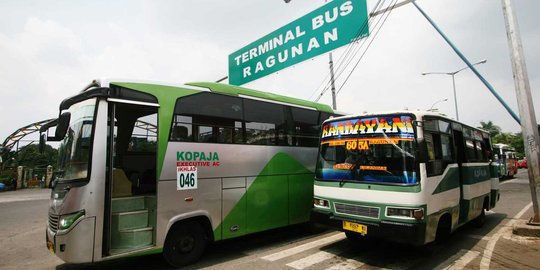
[322, 30]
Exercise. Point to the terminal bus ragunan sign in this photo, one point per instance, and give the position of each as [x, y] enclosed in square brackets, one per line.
[322, 30]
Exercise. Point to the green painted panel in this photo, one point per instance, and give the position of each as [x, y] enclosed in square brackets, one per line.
[475, 174]
[450, 181]
[237, 218]
[267, 202]
[300, 197]
[397, 188]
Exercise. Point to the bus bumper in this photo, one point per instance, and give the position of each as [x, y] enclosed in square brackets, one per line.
[75, 245]
[407, 233]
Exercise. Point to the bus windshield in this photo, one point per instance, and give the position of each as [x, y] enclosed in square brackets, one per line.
[74, 150]
[374, 149]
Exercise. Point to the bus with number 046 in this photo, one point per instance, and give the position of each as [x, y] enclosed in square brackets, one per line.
[149, 167]
[410, 177]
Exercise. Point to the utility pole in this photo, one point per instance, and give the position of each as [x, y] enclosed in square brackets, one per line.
[334, 106]
[526, 110]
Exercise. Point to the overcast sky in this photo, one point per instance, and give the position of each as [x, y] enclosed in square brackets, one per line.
[50, 50]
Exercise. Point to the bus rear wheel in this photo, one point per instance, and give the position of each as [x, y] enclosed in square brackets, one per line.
[185, 244]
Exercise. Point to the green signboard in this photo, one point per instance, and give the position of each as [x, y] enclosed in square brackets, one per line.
[322, 30]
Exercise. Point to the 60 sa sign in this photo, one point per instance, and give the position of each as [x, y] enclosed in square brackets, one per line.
[186, 177]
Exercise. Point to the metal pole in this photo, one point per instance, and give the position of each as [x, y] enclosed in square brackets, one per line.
[490, 88]
[455, 96]
[334, 106]
[524, 100]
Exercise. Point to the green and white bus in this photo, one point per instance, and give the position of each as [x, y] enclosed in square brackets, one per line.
[147, 167]
[408, 177]
[506, 159]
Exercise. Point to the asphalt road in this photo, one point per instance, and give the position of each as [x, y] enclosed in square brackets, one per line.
[23, 215]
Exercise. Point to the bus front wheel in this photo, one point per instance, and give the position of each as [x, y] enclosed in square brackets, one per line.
[185, 244]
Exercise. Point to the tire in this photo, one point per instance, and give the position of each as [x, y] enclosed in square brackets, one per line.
[443, 229]
[185, 244]
[480, 220]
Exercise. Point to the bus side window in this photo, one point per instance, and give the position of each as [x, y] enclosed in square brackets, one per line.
[265, 123]
[470, 151]
[438, 137]
[305, 127]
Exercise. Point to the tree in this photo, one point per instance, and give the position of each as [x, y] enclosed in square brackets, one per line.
[490, 127]
[30, 156]
[513, 140]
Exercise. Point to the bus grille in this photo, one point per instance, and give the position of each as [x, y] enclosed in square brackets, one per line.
[357, 210]
[53, 222]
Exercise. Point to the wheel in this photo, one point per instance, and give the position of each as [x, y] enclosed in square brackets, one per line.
[443, 229]
[480, 220]
[185, 243]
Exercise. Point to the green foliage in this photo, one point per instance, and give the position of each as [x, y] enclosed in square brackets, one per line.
[30, 156]
[497, 136]
[490, 127]
[514, 140]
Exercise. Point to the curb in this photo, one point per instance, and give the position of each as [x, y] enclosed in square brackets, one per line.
[521, 228]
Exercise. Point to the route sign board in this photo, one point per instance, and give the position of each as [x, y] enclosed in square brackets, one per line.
[329, 27]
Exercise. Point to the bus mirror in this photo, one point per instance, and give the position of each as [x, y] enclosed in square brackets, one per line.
[63, 123]
[422, 152]
[42, 141]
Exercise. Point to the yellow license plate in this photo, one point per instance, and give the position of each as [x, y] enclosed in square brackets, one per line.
[355, 227]
[50, 246]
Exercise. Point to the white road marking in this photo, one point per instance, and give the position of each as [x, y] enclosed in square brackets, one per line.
[311, 260]
[349, 264]
[295, 250]
[486, 258]
[460, 263]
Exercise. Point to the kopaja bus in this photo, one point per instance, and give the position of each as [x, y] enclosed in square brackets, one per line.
[403, 176]
[147, 168]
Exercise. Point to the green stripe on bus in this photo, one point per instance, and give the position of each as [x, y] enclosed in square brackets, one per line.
[397, 188]
[450, 181]
[475, 174]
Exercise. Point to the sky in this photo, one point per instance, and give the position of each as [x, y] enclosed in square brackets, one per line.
[50, 50]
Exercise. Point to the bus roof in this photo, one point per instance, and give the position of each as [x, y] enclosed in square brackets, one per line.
[222, 89]
[418, 114]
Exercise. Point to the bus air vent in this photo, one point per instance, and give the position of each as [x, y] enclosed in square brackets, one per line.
[357, 210]
[53, 222]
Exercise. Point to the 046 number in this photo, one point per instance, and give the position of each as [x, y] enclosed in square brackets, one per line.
[187, 180]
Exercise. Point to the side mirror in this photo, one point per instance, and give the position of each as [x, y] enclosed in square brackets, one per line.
[63, 124]
[422, 151]
[42, 142]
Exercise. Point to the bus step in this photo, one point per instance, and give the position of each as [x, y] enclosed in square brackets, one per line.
[129, 220]
[127, 204]
[132, 238]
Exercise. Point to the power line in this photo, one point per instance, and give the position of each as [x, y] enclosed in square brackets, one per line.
[349, 48]
[355, 47]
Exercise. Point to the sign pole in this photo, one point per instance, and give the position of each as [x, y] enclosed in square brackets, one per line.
[526, 109]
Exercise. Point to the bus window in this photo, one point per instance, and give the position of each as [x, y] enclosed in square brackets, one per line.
[265, 123]
[470, 152]
[208, 117]
[305, 127]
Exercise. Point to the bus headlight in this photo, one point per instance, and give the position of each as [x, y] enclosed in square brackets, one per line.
[321, 203]
[416, 213]
[67, 220]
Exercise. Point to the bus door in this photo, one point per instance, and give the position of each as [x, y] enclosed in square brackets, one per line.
[459, 144]
[130, 206]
